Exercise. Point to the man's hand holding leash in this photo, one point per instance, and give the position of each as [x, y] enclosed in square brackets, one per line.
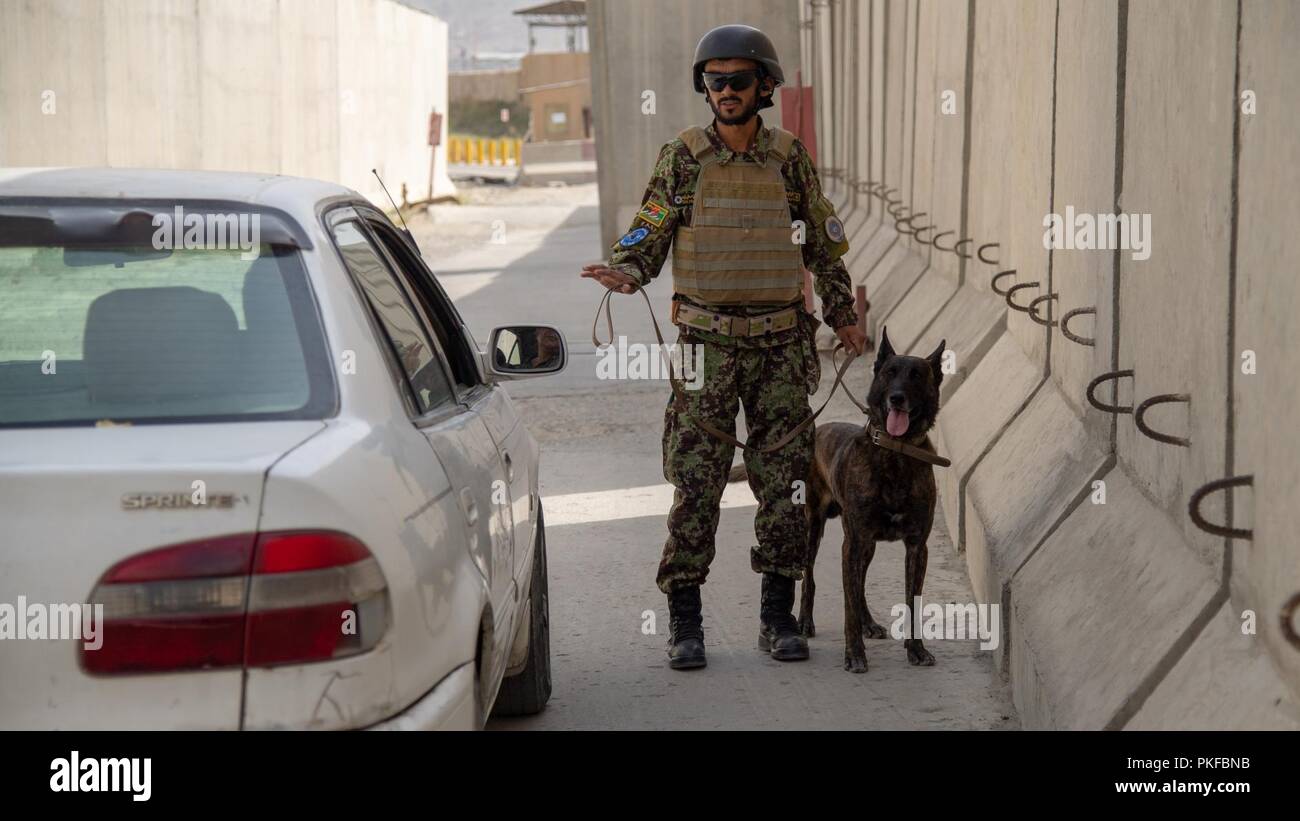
[608, 277]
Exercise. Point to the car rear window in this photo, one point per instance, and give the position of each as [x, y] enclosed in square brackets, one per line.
[95, 331]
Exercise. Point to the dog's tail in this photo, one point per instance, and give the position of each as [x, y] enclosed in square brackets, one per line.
[737, 474]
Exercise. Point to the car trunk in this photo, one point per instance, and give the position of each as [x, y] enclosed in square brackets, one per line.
[75, 501]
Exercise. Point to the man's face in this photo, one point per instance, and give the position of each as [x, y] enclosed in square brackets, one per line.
[733, 107]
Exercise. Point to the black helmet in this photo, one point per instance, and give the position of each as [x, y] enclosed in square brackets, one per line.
[737, 41]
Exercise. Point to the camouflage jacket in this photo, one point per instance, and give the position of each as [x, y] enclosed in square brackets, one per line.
[668, 201]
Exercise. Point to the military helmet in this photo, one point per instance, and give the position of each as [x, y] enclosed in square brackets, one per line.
[737, 41]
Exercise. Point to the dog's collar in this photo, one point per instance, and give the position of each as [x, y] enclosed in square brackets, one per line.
[888, 442]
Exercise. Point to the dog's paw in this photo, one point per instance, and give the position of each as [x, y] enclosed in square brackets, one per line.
[874, 631]
[855, 665]
[806, 627]
[918, 656]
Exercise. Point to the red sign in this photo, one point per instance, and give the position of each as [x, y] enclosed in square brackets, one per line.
[435, 128]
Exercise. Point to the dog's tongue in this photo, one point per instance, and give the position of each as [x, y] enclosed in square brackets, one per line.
[897, 422]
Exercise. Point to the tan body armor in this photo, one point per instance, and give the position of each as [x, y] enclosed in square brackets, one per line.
[739, 247]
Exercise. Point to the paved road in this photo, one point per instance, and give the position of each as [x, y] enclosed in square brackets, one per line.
[605, 499]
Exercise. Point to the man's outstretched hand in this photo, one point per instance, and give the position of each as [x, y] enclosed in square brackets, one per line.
[610, 278]
[853, 339]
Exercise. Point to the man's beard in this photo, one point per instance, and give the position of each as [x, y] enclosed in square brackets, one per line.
[743, 117]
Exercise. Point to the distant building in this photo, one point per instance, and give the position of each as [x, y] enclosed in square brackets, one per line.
[557, 89]
[556, 86]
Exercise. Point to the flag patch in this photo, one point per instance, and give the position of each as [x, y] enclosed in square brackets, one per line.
[654, 213]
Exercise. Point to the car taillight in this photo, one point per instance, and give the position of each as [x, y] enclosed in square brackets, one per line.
[248, 600]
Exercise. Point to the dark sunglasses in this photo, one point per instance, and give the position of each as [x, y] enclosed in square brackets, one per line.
[738, 80]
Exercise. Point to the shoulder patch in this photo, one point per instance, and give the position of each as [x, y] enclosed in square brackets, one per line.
[793, 196]
[835, 229]
[653, 212]
[634, 236]
[683, 199]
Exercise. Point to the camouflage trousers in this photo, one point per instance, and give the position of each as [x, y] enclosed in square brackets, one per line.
[772, 383]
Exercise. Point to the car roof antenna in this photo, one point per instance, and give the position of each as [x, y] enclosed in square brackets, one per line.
[405, 229]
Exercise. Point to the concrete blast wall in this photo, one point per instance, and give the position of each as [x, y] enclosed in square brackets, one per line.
[315, 88]
[951, 130]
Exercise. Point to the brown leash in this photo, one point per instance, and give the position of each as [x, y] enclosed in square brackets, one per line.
[677, 391]
[877, 438]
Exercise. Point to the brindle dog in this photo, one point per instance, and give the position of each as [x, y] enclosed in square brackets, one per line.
[883, 495]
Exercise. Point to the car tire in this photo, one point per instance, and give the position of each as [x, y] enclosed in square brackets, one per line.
[527, 692]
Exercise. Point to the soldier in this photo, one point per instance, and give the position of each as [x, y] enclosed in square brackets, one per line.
[742, 209]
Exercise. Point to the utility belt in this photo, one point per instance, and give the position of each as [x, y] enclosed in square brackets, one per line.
[688, 316]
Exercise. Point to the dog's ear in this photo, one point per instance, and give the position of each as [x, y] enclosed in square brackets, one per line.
[936, 362]
[883, 351]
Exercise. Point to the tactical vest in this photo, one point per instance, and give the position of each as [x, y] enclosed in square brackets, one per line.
[739, 246]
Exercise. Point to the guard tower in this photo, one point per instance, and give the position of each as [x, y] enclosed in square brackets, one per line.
[566, 14]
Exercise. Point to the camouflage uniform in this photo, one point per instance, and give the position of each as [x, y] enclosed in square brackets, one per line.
[771, 376]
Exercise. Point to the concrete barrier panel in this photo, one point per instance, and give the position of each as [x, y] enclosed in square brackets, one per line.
[153, 94]
[975, 416]
[1225, 681]
[1173, 306]
[309, 89]
[1111, 590]
[1025, 137]
[895, 75]
[907, 183]
[890, 281]
[970, 323]
[239, 117]
[153, 84]
[1046, 453]
[970, 319]
[1085, 180]
[841, 80]
[1266, 571]
[52, 85]
[946, 157]
[1018, 492]
[861, 135]
[879, 90]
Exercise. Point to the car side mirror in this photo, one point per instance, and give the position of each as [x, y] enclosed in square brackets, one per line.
[523, 351]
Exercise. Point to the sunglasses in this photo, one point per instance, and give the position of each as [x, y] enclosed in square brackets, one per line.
[738, 80]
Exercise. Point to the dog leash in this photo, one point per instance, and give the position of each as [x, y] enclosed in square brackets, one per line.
[681, 398]
[877, 438]
[898, 446]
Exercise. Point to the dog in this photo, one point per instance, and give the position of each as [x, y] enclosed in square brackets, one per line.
[882, 494]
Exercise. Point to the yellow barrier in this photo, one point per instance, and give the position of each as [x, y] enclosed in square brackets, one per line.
[484, 151]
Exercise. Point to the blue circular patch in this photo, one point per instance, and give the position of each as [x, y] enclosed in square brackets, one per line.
[834, 229]
[633, 237]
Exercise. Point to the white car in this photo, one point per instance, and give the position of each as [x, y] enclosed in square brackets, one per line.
[239, 413]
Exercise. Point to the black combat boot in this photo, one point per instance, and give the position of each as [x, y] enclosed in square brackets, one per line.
[686, 628]
[778, 631]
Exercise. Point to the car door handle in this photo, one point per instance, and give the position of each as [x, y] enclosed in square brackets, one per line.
[510, 466]
[469, 506]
